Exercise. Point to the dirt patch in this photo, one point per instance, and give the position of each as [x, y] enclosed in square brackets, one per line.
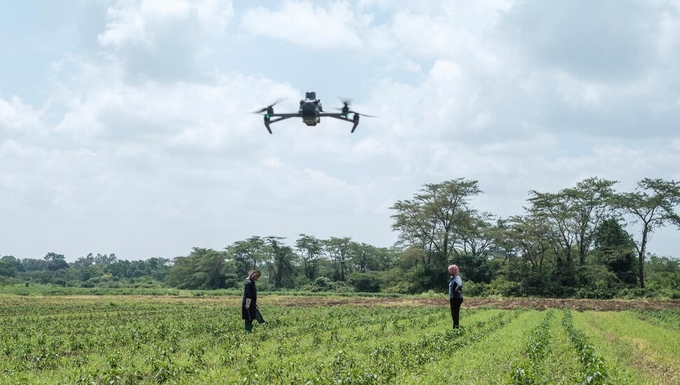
[301, 300]
[504, 303]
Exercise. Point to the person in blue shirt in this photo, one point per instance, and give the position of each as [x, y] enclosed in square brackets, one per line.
[249, 302]
[455, 294]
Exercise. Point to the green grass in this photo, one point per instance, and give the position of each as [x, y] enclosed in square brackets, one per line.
[636, 347]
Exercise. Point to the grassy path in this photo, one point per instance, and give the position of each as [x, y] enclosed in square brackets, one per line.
[639, 352]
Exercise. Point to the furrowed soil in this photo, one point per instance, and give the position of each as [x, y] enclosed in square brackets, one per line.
[504, 303]
[331, 300]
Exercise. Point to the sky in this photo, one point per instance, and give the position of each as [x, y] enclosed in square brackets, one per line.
[126, 126]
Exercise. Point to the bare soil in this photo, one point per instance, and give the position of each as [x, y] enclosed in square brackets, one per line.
[471, 303]
[293, 300]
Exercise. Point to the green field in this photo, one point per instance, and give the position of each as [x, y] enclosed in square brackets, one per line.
[185, 340]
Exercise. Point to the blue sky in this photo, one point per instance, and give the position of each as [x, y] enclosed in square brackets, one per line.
[125, 126]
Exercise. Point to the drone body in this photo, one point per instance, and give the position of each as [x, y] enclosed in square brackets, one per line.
[311, 111]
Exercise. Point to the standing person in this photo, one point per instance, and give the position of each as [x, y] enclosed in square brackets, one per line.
[455, 294]
[249, 302]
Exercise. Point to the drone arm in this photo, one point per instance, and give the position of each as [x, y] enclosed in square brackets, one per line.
[268, 119]
[354, 120]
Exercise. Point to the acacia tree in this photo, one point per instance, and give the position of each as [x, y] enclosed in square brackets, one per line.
[365, 257]
[590, 204]
[555, 210]
[202, 269]
[310, 249]
[651, 206]
[476, 235]
[429, 219]
[615, 249]
[246, 255]
[431, 222]
[338, 250]
[571, 216]
[280, 262]
[525, 237]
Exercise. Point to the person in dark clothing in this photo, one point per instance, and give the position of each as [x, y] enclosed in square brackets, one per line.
[455, 294]
[249, 302]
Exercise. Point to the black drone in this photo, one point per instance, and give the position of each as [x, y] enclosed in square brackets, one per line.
[311, 112]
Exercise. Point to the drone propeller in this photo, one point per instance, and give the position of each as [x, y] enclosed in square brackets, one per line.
[269, 107]
[345, 108]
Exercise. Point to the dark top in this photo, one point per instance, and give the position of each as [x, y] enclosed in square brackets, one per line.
[250, 291]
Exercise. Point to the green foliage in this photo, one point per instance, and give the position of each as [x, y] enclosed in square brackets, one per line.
[529, 370]
[323, 284]
[615, 249]
[569, 243]
[202, 269]
[477, 268]
[365, 282]
[593, 367]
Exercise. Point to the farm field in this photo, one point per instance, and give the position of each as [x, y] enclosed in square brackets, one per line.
[336, 340]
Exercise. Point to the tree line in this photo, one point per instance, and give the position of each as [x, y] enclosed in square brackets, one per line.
[585, 241]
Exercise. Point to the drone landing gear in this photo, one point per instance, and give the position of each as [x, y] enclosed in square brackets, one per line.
[355, 119]
[266, 124]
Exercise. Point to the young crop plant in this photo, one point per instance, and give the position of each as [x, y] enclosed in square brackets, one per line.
[529, 370]
[201, 340]
[668, 318]
[641, 348]
[594, 370]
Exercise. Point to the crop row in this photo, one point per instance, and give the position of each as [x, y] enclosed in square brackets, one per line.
[669, 318]
[593, 368]
[536, 349]
[115, 342]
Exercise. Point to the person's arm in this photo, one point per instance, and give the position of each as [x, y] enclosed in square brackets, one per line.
[248, 300]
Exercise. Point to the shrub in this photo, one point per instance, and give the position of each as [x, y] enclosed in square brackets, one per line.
[365, 282]
[323, 284]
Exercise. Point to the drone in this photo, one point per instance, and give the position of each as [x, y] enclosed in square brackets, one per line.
[311, 111]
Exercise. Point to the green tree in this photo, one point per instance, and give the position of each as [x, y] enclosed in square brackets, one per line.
[475, 235]
[651, 206]
[9, 266]
[202, 269]
[56, 261]
[526, 249]
[247, 254]
[615, 249]
[475, 268]
[365, 282]
[310, 250]
[664, 273]
[433, 221]
[365, 257]
[281, 264]
[590, 202]
[338, 251]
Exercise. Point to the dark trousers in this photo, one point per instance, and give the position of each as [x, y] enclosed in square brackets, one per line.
[455, 310]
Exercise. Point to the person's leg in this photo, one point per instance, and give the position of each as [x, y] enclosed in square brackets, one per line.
[457, 302]
[454, 316]
[249, 326]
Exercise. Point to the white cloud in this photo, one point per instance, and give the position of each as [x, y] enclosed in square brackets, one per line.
[149, 147]
[138, 22]
[19, 119]
[304, 23]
